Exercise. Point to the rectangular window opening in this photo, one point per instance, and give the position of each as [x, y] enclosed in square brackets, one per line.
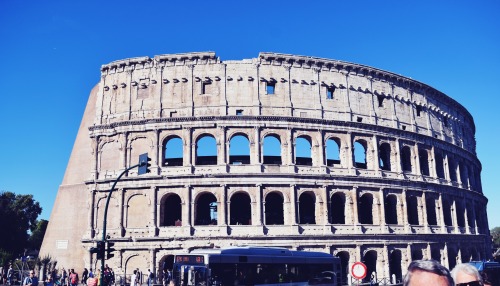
[380, 101]
[329, 92]
[206, 87]
[270, 87]
[173, 113]
[419, 110]
[239, 112]
[359, 119]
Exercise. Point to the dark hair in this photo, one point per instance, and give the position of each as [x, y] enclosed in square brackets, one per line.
[431, 266]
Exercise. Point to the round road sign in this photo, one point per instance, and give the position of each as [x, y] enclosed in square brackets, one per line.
[358, 270]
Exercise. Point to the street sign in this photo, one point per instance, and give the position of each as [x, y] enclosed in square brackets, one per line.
[358, 270]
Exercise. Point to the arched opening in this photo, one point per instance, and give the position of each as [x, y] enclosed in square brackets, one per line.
[240, 209]
[470, 218]
[307, 211]
[423, 157]
[370, 260]
[166, 264]
[365, 208]
[412, 208]
[206, 150]
[447, 213]
[344, 266]
[360, 154]
[406, 159]
[303, 151]
[395, 266]
[274, 209]
[460, 215]
[272, 150]
[452, 258]
[173, 152]
[417, 254]
[463, 175]
[439, 166]
[391, 209]
[239, 150]
[333, 152]
[338, 208]
[436, 254]
[385, 156]
[430, 207]
[171, 210]
[452, 168]
[206, 210]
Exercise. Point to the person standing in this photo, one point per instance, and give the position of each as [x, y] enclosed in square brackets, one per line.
[64, 275]
[10, 274]
[73, 278]
[133, 279]
[31, 280]
[150, 277]
[85, 275]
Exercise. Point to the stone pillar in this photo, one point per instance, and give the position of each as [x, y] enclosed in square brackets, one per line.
[156, 154]
[382, 210]
[187, 206]
[406, 261]
[92, 213]
[466, 216]
[154, 227]
[375, 156]
[323, 208]
[319, 149]
[294, 202]
[386, 271]
[222, 146]
[441, 214]
[255, 147]
[354, 195]
[122, 211]
[474, 218]
[432, 163]
[349, 152]
[152, 262]
[446, 168]
[428, 251]
[223, 207]
[289, 150]
[189, 146]
[454, 217]
[423, 210]
[416, 151]
[397, 154]
[258, 204]
[444, 258]
[405, 211]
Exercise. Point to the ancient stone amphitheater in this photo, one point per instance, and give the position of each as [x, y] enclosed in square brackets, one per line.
[280, 150]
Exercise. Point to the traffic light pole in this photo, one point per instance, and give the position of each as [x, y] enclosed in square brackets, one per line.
[101, 283]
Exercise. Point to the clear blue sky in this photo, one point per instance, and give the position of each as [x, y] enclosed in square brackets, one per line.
[51, 53]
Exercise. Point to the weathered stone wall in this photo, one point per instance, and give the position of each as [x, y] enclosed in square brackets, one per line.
[414, 192]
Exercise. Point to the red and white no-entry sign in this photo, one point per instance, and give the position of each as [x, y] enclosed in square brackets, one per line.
[358, 270]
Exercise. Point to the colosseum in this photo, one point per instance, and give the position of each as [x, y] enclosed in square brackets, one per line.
[280, 150]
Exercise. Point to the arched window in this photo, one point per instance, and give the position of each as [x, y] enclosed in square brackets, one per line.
[173, 155]
[338, 208]
[370, 260]
[463, 175]
[452, 168]
[460, 215]
[333, 151]
[430, 206]
[439, 165]
[391, 209]
[360, 154]
[206, 150]
[423, 157]
[412, 208]
[406, 159]
[171, 210]
[436, 254]
[307, 208]
[240, 210]
[452, 258]
[470, 218]
[385, 156]
[272, 150]
[365, 209]
[274, 209]
[447, 213]
[395, 265]
[303, 151]
[344, 266]
[239, 150]
[206, 210]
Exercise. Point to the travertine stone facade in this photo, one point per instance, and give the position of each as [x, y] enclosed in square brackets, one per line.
[390, 171]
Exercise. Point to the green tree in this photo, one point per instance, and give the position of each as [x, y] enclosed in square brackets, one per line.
[18, 217]
[36, 237]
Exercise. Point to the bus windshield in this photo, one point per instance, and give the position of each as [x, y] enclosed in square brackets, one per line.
[189, 275]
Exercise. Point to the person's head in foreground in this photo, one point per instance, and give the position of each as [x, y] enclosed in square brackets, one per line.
[466, 275]
[427, 273]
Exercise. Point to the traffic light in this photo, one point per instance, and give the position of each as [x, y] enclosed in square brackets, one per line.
[98, 250]
[144, 164]
[109, 249]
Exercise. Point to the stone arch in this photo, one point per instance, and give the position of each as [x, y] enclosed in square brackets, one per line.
[440, 165]
[360, 154]
[423, 157]
[430, 207]
[395, 259]
[337, 208]
[109, 156]
[452, 168]
[206, 149]
[460, 213]
[463, 175]
[205, 209]
[344, 266]
[333, 145]
[436, 253]
[114, 210]
[171, 210]
[412, 209]
[269, 144]
[307, 208]
[165, 263]
[137, 205]
[137, 145]
[274, 211]
[370, 260]
[240, 210]
[406, 163]
[452, 257]
[133, 262]
[447, 213]
[385, 156]
[365, 209]
[173, 151]
[303, 150]
[239, 149]
[391, 209]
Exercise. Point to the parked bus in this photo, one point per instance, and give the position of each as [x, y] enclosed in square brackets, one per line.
[255, 266]
[489, 270]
